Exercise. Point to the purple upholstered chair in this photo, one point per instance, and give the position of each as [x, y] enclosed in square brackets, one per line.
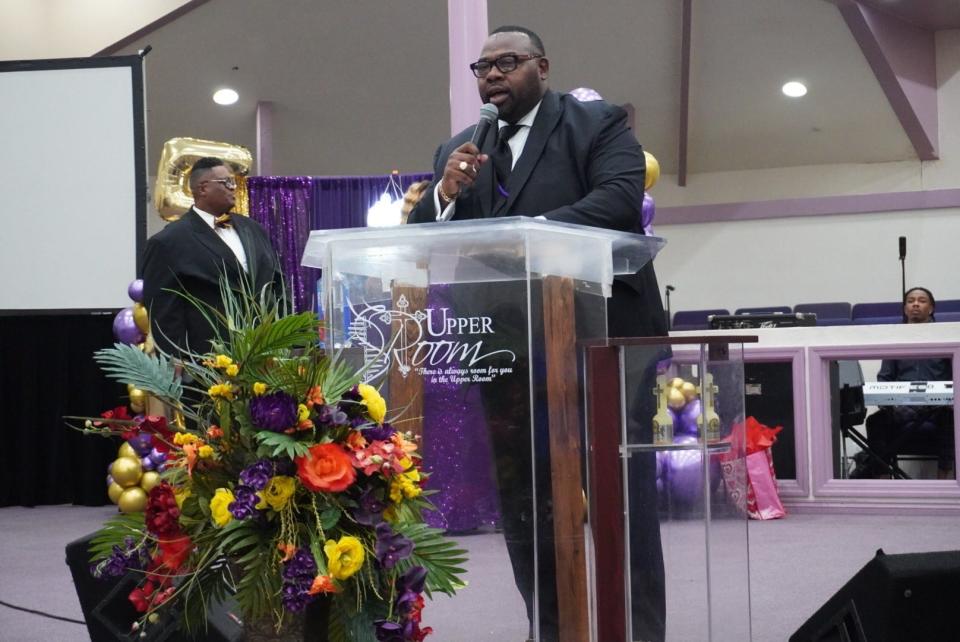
[694, 319]
[834, 313]
[951, 305]
[877, 313]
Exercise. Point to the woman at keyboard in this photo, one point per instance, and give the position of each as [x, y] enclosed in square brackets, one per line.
[896, 430]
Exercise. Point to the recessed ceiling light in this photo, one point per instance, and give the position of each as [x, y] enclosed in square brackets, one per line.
[225, 96]
[794, 89]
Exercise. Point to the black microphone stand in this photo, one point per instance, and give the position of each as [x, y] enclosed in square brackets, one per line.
[669, 289]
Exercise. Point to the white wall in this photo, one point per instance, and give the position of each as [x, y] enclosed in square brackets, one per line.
[36, 29]
[851, 257]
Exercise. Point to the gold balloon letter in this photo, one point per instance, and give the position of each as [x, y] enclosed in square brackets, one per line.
[172, 195]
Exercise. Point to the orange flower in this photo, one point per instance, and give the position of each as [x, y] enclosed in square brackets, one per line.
[288, 550]
[356, 440]
[214, 432]
[322, 584]
[326, 468]
[314, 397]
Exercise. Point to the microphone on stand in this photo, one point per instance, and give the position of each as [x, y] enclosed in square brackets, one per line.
[903, 266]
[669, 289]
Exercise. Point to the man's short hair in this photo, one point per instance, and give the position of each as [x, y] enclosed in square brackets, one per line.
[200, 169]
[534, 38]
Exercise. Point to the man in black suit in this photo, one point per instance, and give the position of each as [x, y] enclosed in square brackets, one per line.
[560, 159]
[195, 252]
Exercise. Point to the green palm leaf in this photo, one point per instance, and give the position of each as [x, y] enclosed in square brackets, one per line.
[441, 557]
[151, 373]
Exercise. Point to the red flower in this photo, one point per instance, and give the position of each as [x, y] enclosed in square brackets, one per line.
[120, 412]
[141, 597]
[174, 552]
[162, 516]
[326, 468]
[162, 436]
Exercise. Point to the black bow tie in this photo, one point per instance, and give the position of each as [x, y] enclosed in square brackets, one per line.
[223, 221]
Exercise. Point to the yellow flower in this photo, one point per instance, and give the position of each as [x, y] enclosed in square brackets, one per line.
[222, 361]
[205, 452]
[345, 557]
[259, 388]
[218, 507]
[376, 406]
[184, 438]
[181, 494]
[405, 485]
[224, 390]
[232, 370]
[303, 413]
[278, 492]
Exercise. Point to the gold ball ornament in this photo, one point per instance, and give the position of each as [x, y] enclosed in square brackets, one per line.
[114, 490]
[674, 399]
[141, 318]
[653, 170]
[689, 391]
[676, 382]
[126, 472]
[138, 400]
[126, 450]
[149, 479]
[132, 500]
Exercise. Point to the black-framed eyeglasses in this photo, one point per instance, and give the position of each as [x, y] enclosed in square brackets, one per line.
[505, 63]
[229, 183]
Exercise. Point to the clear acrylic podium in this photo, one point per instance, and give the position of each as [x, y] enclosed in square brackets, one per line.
[472, 332]
[666, 431]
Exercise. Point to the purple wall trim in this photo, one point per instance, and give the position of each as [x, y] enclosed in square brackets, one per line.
[466, 32]
[799, 487]
[816, 206]
[869, 490]
[150, 28]
[686, 13]
[903, 58]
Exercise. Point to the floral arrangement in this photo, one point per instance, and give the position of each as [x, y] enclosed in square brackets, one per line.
[280, 480]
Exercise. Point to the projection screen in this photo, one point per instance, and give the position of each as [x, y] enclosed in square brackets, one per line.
[72, 162]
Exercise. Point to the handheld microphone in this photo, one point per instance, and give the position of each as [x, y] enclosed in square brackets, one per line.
[670, 288]
[903, 247]
[488, 116]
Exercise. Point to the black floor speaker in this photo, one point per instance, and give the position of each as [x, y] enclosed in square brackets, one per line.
[109, 613]
[894, 598]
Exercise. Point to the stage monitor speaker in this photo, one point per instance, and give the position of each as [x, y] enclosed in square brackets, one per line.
[109, 613]
[893, 598]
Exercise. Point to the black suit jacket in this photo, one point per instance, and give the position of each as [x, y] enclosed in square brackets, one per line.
[581, 165]
[188, 255]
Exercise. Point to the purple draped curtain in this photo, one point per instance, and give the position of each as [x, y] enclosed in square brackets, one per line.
[289, 207]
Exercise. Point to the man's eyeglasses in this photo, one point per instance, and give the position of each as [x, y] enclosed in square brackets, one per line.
[505, 63]
[229, 183]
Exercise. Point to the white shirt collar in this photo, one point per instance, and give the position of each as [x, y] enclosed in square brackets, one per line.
[206, 216]
[527, 120]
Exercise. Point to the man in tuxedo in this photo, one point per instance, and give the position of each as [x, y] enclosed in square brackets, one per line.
[194, 253]
[574, 162]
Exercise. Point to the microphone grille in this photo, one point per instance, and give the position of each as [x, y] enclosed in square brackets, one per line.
[489, 112]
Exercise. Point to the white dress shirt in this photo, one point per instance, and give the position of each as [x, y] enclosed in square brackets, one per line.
[517, 142]
[228, 235]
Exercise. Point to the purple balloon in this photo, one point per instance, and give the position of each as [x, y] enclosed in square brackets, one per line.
[109, 479]
[147, 464]
[125, 329]
[157, 457]
[647, 212]
[135, 290]
[688, 418]
[141, 443]
[685, 478]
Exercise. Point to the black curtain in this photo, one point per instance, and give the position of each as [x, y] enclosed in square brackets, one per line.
[46, 372]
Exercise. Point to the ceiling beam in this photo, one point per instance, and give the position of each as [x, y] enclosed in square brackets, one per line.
[903, 58]
[683, 134]
[160, 22]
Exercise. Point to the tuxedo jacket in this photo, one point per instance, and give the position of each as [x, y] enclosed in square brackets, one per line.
[189, 256]
[581, 165]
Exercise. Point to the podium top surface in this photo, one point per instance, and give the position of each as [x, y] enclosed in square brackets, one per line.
[494, 249]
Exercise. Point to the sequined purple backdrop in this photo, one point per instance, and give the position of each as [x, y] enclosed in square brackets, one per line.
[456, 449]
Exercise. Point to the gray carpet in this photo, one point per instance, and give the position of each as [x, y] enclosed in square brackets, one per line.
[795, 564]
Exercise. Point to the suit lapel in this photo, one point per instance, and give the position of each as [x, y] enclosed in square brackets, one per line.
[223, 256]
[255, 270]
[543, 126]
[485, 178]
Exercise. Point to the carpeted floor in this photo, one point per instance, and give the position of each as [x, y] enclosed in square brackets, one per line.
[795, 564]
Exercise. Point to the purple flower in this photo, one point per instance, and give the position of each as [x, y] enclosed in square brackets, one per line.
[391, 547]
[413, 580]
[331, 416]
[276, 411]
[298, 573]
[257, 475]
[295, 598]
[370, 508]
[388, 631]
[244, 504]
[350, 404]
[379, 433]
[121, 560]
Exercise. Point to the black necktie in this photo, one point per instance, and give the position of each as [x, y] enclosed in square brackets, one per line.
[503, 160]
